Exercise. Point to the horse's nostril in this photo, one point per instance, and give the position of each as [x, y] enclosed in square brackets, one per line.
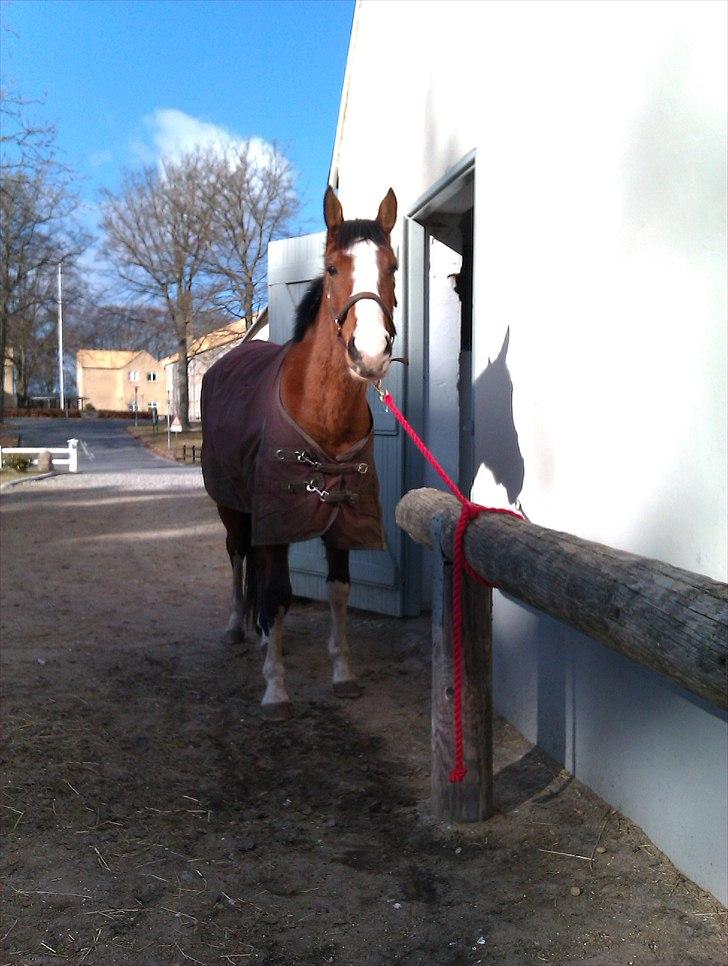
[354, 353]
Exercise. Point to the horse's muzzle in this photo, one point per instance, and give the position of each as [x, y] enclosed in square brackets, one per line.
[369, 368]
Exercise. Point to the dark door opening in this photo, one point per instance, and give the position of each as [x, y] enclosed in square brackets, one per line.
[448, 220]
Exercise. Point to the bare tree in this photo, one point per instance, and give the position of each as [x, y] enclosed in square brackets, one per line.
[157, 234]
[253, 201]
[100, 323]
[24, 145]
[36, 232]
[193, 234]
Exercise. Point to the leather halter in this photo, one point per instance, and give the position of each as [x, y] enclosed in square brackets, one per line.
[341, 317]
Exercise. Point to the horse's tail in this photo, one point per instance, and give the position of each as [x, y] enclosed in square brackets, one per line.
[251, 593]
[238, 526]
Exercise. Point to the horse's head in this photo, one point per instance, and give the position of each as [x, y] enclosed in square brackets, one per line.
[359, 285]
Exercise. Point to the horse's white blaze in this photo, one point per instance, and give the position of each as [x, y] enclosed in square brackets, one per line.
[338, 642]
[370, 334]
[274, 671]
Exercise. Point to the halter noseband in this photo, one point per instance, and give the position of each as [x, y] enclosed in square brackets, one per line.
[341, 317]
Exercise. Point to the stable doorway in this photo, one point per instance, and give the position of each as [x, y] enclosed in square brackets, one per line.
[440, 243]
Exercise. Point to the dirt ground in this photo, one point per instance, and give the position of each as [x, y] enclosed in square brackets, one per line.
[150, 816]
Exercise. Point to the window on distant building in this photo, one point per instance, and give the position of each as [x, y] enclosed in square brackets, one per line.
[151, 377]
[133, 375]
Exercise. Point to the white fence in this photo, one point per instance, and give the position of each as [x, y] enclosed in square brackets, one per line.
[61, 455]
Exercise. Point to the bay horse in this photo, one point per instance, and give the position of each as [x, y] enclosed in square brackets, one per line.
[288, 450]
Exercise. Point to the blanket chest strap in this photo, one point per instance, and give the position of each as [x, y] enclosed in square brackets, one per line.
[316, 485]
[301, 456]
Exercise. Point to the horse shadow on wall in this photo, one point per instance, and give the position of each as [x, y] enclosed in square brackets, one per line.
[496, 446]
[497, 449]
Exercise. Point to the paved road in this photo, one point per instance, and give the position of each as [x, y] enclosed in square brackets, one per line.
[112, 448]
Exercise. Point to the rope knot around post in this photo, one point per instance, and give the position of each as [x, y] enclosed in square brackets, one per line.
[468, 512]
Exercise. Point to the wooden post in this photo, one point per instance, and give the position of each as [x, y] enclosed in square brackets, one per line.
[73, 456]
[472, 799]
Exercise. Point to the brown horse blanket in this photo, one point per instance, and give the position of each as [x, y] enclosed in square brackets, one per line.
[257, 460]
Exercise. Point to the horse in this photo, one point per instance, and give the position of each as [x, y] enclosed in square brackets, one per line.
[288, 450]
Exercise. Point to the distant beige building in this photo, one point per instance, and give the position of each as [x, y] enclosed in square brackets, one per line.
[206, 350]
[121, 379]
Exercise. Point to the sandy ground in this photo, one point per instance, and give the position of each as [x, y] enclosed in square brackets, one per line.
[150, 816]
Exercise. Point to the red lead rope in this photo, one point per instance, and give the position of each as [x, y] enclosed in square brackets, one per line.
[468, 512]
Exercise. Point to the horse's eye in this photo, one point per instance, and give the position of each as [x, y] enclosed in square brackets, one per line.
[393, 269]
[332, 270]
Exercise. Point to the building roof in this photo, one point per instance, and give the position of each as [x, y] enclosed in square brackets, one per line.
[218, 337]
[105, 358]
[226, 335]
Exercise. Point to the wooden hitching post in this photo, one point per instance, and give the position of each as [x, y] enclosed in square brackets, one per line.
[472, 799]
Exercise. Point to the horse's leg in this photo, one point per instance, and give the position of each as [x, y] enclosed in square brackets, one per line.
[274, 595]
[338, 583]
[237, 542]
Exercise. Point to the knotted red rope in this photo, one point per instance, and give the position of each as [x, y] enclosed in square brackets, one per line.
[468, 512]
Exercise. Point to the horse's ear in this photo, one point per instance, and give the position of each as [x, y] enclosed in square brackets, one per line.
[333, 212]
[387, 214]
[504, 348]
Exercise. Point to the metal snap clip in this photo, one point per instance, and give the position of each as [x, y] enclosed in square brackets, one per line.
[312, 488]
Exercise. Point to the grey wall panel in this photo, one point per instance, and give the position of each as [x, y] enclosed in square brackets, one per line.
[648, 747]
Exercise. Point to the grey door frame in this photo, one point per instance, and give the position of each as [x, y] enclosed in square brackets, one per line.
[417, 300]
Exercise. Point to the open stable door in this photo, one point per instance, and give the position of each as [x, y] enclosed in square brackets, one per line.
[378, 580]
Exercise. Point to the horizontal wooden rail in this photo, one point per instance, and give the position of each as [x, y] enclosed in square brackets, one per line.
[668, 619]
[69, 453]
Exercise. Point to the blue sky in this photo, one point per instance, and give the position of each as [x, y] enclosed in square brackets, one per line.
[125, 79]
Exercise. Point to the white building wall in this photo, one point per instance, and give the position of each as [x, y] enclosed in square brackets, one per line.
[600, 240]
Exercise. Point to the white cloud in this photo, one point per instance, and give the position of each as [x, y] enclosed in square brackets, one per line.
[173, 133]
[99, 158]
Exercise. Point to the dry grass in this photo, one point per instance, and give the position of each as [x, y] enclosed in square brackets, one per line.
[157, 441]
[9, 475]
[10, 438]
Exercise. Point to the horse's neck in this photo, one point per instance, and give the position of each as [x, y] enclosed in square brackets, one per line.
[320, 393]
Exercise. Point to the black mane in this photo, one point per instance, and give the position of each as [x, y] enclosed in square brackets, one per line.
[348, 234]
[308, 308]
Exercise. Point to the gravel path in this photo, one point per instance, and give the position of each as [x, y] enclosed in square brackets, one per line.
[150, 817]
[108, 457]
[174, 478]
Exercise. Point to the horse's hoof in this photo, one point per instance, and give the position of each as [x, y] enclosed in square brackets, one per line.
[348, 689]
[277, 711]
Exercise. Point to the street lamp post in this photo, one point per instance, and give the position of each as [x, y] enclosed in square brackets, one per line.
[169, 430]
[60, 340]
[136, 406]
